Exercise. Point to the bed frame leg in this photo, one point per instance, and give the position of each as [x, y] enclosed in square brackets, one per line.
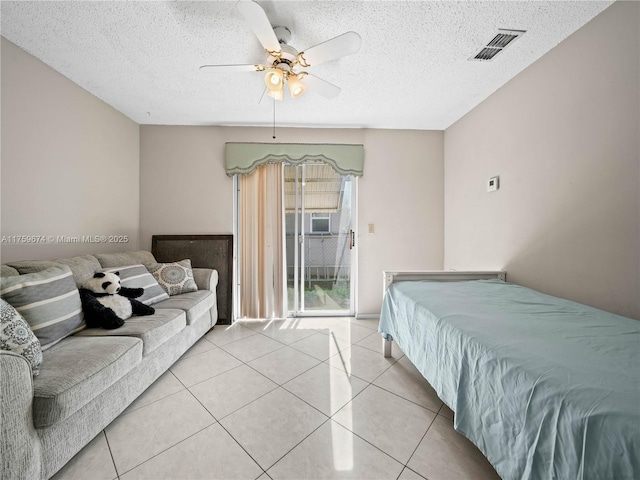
[386, 347]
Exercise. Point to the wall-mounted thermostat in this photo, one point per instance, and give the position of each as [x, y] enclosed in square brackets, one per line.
[493, 184]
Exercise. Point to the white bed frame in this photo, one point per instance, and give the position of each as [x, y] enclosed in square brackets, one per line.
[435, 275]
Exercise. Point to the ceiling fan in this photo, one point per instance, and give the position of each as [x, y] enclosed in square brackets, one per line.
[284, 64]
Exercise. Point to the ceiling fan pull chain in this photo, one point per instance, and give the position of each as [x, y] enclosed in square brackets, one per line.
[274, 117]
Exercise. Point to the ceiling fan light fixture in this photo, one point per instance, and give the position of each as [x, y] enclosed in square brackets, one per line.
[276, 94]
[296, 87]
[274, 79]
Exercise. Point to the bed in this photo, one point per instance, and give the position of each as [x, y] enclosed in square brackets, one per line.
[546, 388]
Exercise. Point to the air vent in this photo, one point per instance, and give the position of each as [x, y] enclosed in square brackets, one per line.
[498, 43]
[487, 53]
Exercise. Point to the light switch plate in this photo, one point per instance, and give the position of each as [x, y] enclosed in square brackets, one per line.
[493, 184]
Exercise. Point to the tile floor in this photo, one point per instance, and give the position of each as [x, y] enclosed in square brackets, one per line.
[292, 399]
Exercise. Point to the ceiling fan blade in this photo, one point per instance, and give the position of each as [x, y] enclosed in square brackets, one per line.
[324, 88]
[259, 23]
[232, 68]
[340, 46]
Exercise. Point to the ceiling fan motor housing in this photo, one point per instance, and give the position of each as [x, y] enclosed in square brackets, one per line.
[287, 58]
[283, 34]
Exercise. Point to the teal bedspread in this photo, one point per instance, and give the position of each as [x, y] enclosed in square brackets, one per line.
[546, 388]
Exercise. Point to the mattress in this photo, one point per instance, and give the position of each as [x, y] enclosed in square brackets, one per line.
[544, 387]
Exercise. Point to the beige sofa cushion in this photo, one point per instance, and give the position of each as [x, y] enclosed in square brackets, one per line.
[7, 271]
[153, 330]
[77, 370]
[82, 266]
[193, 304]
[143, 257]
[25, 267]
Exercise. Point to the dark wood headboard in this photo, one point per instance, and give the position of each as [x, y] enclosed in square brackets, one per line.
[204, 251]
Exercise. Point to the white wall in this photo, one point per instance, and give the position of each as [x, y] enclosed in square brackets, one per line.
[70, 163]
[564, 138]
[184, 190]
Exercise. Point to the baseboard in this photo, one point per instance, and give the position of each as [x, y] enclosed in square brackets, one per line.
[364, 316]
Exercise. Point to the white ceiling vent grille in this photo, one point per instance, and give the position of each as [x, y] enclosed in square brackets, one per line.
[499, 42]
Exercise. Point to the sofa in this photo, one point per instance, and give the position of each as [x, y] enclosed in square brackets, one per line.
[89, 377]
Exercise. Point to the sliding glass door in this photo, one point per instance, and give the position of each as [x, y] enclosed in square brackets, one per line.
[319, 209]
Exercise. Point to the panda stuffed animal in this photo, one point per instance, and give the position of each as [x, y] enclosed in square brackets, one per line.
[107, 304]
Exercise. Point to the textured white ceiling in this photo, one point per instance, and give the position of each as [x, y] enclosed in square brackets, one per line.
[413, 72]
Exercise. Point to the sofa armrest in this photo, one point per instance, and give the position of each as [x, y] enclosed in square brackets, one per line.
[19, 442]
[205, 278]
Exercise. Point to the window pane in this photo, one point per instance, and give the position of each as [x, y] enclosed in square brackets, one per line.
[319, 225]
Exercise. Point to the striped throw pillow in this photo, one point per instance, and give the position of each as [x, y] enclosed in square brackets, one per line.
[137, 276]
[48, 300]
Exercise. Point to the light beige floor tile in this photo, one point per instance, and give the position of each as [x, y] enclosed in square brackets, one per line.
[252, 347]
[93, 461]
[444, 454]
[408, 474]
[446, 411]
[343, 319]
[197, 368]
[286, 331]
[371, 323]
[201, 346]
[326, 388]
[389, 422]
[264, 476]
[374, 343]
[332, 451]
[272, 425]
[284, 364]
[254, 324]
[405, 380]
[361, 362]
[321, 346]
[167, 384]
[210, 453]
[316, 323]
[224, 334]
[229, 391]
[349, 332]
[147, 431]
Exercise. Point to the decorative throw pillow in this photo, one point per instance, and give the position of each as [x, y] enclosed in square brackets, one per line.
[137, 276]
[48, 300]
[17, 337]
[175, 278]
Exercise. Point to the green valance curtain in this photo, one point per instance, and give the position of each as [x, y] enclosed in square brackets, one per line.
[244, 158]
